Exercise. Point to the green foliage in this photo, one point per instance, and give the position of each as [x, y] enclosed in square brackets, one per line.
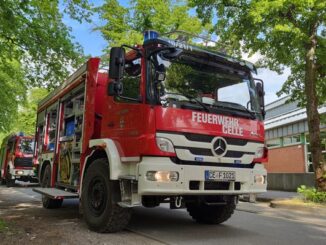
[280, 30]
[32, 31]
[36, 49]
[125, 25]
[25, 120]
[3, 225]
[12, 92]
[311, 194]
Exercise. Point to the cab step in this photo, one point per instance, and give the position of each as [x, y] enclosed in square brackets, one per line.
[55, 193]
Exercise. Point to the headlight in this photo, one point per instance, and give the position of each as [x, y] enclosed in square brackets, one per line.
[164, 145]
[19, 172]
[259, 152]
[162, 176]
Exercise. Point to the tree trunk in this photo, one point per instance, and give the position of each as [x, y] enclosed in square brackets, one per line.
[312, 110]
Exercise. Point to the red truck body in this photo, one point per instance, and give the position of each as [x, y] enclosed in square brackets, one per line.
[17, 159]
[143, 144]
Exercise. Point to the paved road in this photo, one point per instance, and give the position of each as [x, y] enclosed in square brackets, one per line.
[245, 227]
[250, 224]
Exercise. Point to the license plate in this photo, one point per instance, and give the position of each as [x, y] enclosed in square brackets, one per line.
[220, 175]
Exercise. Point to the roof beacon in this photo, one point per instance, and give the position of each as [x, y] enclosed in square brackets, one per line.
[150, 34]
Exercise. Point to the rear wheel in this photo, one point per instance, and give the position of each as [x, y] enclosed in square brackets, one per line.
[46, 183]
[99, 200]
[9, 181]
[206, 214]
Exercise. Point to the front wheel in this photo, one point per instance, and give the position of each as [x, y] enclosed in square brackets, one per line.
[207, 214]
[99, 200]
[46, 183]
[9, 181]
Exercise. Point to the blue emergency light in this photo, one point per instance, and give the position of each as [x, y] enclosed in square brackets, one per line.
[150, 34]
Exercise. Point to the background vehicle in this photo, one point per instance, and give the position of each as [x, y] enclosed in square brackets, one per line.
[171, 123]
[16, 159]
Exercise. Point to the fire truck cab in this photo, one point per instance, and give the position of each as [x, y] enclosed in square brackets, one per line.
[169, 123]
[16, 159]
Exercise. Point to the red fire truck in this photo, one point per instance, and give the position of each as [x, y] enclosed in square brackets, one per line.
[16, 159]
[169, 123]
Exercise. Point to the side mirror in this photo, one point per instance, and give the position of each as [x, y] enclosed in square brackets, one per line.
[160, 73]
[261, 94]
[117, 63]
[115, 88]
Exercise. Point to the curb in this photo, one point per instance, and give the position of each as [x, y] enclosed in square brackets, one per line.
[309, 209]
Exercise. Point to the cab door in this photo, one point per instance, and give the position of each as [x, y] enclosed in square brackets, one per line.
[125, 117]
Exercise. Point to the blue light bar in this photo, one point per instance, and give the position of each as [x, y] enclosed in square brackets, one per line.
[150, 34]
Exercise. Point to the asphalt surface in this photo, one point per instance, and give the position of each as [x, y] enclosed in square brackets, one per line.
[274, 195]
[250, 224]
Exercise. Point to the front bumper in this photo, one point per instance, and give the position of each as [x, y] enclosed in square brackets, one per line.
[18, 173]
[243, 184]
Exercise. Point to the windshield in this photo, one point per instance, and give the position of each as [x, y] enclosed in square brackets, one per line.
[190, 79]
[26, 146]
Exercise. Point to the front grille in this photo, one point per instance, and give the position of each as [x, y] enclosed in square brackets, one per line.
[213, 185]
[199, 137]
[208, 138]
[208, 152]
[193, 185]
[199, 149]
[176, 160]
[23, 162]
[237, 154]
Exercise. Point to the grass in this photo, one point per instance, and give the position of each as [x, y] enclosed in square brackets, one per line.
[301, 202]
[3, 225]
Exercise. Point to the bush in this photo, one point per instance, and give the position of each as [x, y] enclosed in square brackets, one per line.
[311, 194]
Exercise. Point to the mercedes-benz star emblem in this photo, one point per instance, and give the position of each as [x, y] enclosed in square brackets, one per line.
[219, 146]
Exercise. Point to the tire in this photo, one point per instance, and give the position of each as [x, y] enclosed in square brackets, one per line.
[2, 179]
[99, 200]
[46, 183]
[205, 214]
[9, 181]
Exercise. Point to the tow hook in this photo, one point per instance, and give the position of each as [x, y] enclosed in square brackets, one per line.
[177, 202]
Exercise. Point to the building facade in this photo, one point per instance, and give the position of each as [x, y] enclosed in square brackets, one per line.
[287, 137]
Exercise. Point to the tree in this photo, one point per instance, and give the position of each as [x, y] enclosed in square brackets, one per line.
[26, 116]
[287, 33]
[32, 32]
[12, 92]
[125, 25]
[36, 48]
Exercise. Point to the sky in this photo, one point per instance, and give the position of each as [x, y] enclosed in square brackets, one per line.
[94, 44]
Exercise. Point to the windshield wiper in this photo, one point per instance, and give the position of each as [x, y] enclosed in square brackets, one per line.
[193, 99]
[237, 107]
[198, 102]
[253, 114]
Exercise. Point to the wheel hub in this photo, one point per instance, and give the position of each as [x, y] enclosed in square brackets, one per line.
[97, 195]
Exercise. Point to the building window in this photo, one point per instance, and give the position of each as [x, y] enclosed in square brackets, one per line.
[273, 143]
[323, 146]
[291, 140]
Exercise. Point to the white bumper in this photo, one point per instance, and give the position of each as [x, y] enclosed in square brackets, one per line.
[17, 173]
[244, 179]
